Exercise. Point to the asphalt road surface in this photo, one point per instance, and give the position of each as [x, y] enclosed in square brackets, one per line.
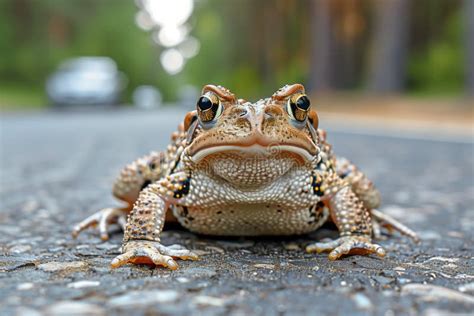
[57, 168]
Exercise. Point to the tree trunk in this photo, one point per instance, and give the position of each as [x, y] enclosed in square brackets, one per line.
[469, 8]
[321, 47]
[389, 46]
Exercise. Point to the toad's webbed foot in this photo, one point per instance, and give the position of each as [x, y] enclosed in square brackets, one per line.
[152, 252]
[347, 245]
[103, 218]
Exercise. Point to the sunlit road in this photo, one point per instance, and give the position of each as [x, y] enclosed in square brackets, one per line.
[56, 168]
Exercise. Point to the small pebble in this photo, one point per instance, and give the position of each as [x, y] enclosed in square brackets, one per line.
[182, 280]
[215, 249]
[67, 308]
[20, 249]
[434, 293]
[55, 266]
[143, 298]
[26, 311]
[208, 300]
[468, 287]
[82, 284]
[442, 259]
[292, 246]
[362, 301]
[25, 286]
[264, 266]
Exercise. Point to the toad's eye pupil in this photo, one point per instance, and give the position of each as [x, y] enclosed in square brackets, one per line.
[303, 102]
[204, 103]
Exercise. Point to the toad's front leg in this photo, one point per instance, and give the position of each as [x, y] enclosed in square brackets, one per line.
[354, 224]
[141, 242]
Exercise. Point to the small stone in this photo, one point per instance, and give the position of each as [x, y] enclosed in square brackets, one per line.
[315, 268]
[264, 266]
[450, 266]
[196, 272]
[182, 280]
[56, 249]
[82, 284]
[55, 266]
[26, 311]
[25, 286]
[343, 283]
[200, 252]
[107, 246]
[143, 298]
[455, 234]
[292, 247]
[215, 249]
[30, 206]
[469, 287]
[434, 293]
[208, 300]
[74, 308]
[362, 301]
[20, 249]
[442, 259]
[383, 280]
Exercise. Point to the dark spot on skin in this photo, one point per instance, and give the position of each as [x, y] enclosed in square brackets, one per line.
[184, 189]
[316, 185]
[315, 212]
[219, 212]
[319, 165]
[184, 211]
[279, 211]
[145, 184]
[345, 174]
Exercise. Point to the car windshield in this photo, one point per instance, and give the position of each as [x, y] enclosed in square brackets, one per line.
[94, 65]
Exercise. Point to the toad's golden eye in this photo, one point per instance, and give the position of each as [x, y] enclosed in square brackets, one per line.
[209, 107]
[298, 107]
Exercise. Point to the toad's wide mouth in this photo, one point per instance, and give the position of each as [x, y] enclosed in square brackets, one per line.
[254, 150]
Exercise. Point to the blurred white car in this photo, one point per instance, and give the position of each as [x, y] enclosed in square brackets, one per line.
[86, 80]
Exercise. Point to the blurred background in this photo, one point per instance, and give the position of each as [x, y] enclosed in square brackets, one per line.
[404, 58]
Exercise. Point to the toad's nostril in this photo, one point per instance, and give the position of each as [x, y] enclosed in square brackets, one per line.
[243, 112]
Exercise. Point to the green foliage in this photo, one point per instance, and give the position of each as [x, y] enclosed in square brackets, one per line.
[438, 68]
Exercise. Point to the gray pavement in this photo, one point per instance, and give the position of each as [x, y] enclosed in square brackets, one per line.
[57, 168]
